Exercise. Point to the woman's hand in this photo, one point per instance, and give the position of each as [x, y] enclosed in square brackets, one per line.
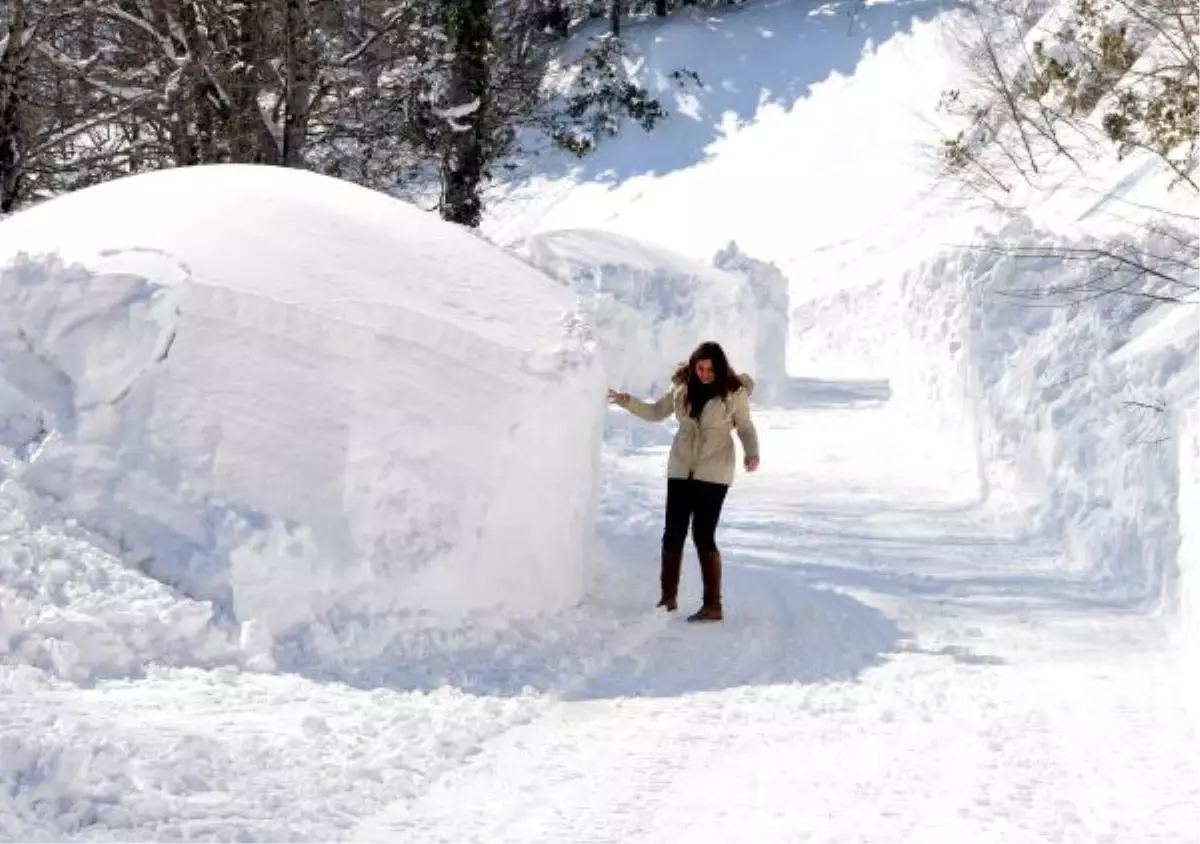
[751, 464]
[617, 398]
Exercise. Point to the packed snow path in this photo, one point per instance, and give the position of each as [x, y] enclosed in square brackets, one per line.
[895, 666]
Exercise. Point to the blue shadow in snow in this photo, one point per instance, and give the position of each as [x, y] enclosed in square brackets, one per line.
[941, 555]
[816, 393]
[768, 52]
[777, 631]
[616, 644]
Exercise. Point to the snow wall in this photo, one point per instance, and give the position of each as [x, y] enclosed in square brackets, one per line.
[319, 407]
[1069, 409]
[651, 306]
[1188, 627]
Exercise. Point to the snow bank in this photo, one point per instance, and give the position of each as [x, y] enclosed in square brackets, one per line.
[1069, 404]
[72, 612]
[1170, 333]
[318, 406]
[1073, 404]
[1066, 407]
[651, 306]
[769, 287]
[1189, 534]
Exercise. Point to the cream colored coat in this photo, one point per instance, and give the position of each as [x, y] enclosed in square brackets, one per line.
[704, 449]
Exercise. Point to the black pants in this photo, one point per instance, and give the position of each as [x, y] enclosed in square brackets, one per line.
[698, 502]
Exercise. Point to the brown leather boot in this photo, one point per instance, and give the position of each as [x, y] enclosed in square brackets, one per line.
[710, 573]
[672, 565]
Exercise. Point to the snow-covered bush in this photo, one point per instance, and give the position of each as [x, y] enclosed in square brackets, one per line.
[311, 403]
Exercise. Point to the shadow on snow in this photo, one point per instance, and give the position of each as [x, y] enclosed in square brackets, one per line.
[769, 53]
[791, 611]
[816, 393]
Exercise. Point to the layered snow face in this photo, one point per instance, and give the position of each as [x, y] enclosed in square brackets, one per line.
[1072, 397]
[769, 289]
[1068, 398]
[319, 406]
[651, 306]
[1074, 404]
[1189, 533]
[1169, 333]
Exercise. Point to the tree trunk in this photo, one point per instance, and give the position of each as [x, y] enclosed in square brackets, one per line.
[13, 81]
[615, 17]
[464, 159]
[250, 137]
[301, 58]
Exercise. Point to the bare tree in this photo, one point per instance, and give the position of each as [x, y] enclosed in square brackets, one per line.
[1159, 263]
[16, 50]
[386, 93]
[1009, 135]
[1112, 71]
[32, 125]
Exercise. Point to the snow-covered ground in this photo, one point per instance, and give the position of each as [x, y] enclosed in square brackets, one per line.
[961, 592]
[893, 668]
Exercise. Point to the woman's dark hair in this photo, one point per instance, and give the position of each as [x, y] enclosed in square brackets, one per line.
[725, 380]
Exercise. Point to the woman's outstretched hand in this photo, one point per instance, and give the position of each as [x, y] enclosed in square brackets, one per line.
[617, 398]
[751, 464]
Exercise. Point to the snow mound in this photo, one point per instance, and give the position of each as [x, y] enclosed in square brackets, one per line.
[1067, 394]
[320, 407]
[74, 613]
[651, 306]
[1065, 399]
[1074, 403]
[769, 287]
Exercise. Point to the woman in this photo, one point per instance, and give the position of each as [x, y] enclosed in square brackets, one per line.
[710, 400]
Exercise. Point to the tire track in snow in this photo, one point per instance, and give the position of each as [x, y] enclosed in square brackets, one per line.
[765, 639]
[381, 825]
[596, 753]
[992, 721]
[989, 726]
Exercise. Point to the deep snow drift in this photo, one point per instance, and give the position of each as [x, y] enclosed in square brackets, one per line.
[1047, 413]
[650, 306]
[314, 404]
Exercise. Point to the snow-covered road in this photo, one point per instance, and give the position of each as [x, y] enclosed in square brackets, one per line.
[1059, 740]
[895, 666]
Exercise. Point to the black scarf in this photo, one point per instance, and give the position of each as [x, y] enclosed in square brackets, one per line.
[698, 395]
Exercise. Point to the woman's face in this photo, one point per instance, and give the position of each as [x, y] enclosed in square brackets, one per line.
[704, 371]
